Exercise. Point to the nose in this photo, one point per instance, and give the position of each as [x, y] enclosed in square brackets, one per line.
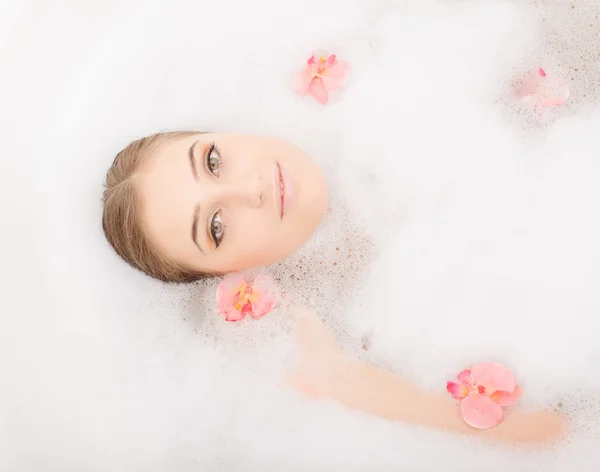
[248, 191]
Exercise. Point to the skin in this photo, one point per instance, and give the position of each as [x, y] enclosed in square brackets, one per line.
[234, 189]
[324, 371]
[236, 185]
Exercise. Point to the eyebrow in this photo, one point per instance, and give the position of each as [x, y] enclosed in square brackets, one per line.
[197, 207]
[195, 227]
[193, 160]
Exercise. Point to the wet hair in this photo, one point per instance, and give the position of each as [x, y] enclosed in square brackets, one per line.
[121, 216]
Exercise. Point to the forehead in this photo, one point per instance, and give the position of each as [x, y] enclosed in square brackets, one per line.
[169, 149]
[166, 188]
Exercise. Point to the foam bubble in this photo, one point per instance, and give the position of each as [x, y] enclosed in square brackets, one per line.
[459, 229]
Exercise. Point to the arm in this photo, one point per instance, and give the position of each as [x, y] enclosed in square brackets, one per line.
[366, 388]
[326, 372]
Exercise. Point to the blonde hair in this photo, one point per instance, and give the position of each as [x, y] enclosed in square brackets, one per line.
[121, 215]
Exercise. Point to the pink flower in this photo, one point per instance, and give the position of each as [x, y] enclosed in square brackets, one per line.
[483, 390]
[545, 91]
[236, 298]
[322, 74]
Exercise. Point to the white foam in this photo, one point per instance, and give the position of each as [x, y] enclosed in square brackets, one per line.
[462, 230]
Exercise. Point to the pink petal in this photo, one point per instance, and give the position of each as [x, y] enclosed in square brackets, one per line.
[336, 75]
[260, 314]
[330, 60]
[226, 291]
[554, 96]
[549, 102]
[303, 80]
[464, 377]
[503, 398]
[529, 84]
[481, 412]
[247, 308]
[266, 291]
[457, 390]
[318, 91]
[231, 314]
[549, 90]
[493, 377]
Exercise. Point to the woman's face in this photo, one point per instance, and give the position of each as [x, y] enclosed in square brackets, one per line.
[227, 202]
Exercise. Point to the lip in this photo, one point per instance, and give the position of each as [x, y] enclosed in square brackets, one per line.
[277, 190]
[283, 190]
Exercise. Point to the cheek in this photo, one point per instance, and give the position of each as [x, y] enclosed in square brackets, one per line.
[253, 241]
[253, 230]
[245, 159]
